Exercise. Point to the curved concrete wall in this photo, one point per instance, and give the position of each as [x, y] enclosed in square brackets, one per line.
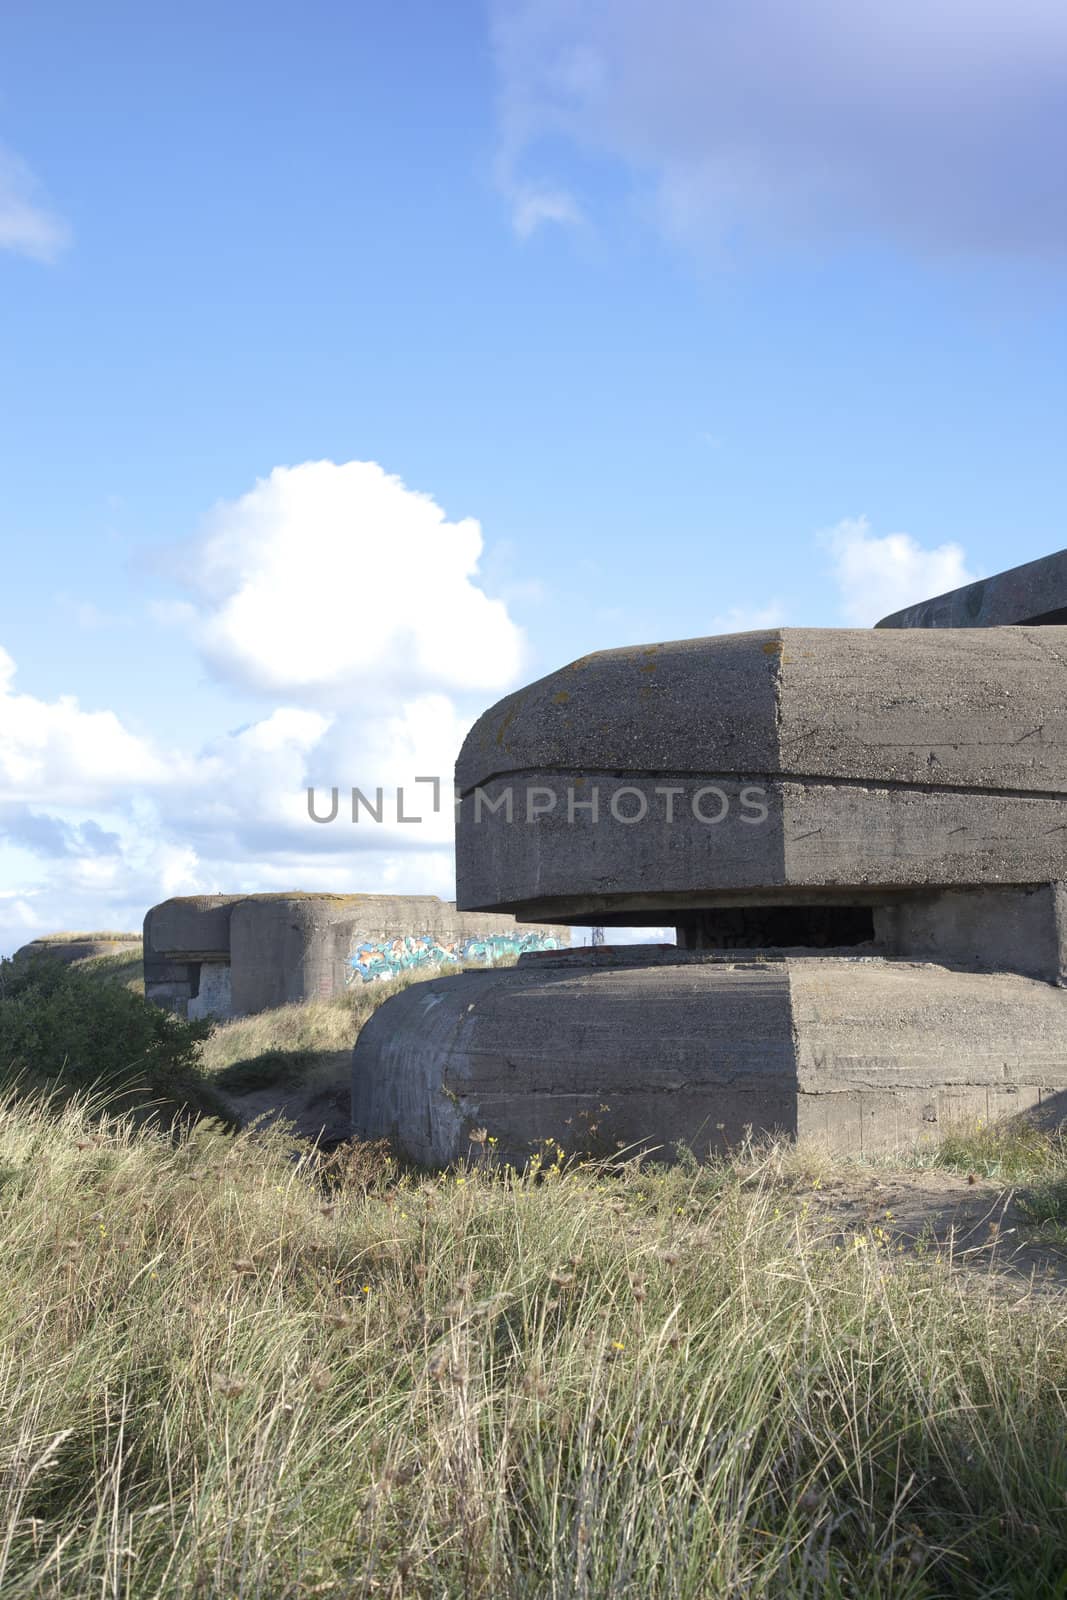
[651, 1046]
[285, 949]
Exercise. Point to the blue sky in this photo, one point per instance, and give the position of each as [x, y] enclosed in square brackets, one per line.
[709, 315]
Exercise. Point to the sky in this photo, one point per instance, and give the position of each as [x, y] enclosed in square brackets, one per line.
[359, 363]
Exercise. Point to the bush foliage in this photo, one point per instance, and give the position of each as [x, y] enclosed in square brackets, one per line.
[65, 1028]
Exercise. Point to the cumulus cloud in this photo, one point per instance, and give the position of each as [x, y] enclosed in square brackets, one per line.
[876, 576]
[55, 752]
[51, 836]
[27, 226]
[352, 605]
[335, 583]
[938, 121]
[231, 817]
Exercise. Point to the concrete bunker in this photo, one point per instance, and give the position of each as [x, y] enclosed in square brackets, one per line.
[70, 947]
[234, 955]
[860, 836]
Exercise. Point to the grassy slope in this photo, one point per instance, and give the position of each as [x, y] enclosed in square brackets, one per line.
[227, 1373]
[229, 1368]
[125, 967]
[279, 1047]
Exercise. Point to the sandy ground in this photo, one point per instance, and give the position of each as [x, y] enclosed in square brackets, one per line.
[975, 1225]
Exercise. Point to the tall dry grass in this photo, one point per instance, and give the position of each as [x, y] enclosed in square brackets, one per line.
[230, 1368]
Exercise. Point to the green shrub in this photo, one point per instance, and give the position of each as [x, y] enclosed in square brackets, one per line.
[63, 1029]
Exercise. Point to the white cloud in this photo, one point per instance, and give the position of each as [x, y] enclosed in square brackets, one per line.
[338, 583]
[532, 205]
[27, 226]
[54, 752]
[748, 619]
[353, 604]
[937, 121]
[876, 576]
[17, 912]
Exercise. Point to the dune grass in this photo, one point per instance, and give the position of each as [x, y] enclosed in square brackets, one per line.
[229, 1367]
[232, 1366]
[125, 967]
[279, 1047]
[75, 937]
[1007, 1152]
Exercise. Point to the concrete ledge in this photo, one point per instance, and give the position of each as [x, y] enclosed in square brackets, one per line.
[190, 927]
[792, 758]
[598, 1050]
[1034, 594]
[813, 834]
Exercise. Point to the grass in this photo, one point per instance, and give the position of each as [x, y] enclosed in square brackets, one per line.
[1004, 1151]
[280, 1048]
[125, 967]
[1019, 1153]
[232, 1368]
[76, 938]
[1046, 1207]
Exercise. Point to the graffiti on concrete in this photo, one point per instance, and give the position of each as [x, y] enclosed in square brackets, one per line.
[371, 960]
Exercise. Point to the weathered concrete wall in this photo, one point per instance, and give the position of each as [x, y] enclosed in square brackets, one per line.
[1034, 594]
[895, 800]
[790, 759]
[1020, 930]
[470, 938]
[645, 1047]
[896, 1050]
[68, 947]
[285, 949]
[234, 955]
[180, 936]
[213, 997]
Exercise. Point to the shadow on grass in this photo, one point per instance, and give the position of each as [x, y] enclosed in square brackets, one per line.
[308, 1089]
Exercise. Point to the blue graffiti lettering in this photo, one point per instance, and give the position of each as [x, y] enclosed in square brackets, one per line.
[372, 960]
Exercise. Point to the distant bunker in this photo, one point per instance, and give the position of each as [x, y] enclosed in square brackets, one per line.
[68, 947]
[233, 955]
[860, 836]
